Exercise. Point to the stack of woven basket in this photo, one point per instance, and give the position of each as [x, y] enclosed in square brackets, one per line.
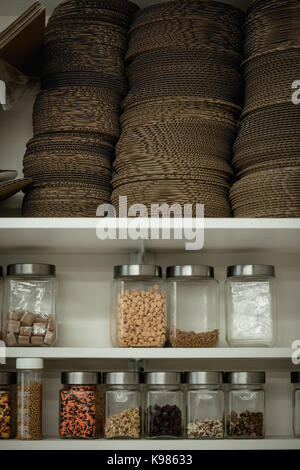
[267, 148]
[76, 115]
[179, 118]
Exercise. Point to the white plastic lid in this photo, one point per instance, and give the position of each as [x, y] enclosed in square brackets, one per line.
[29, 363]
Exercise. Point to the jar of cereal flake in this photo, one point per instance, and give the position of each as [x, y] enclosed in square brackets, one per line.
[138, 307]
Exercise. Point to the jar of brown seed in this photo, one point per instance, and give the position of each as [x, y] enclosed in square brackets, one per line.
[29, 399]
[138, 308]
[192, 306]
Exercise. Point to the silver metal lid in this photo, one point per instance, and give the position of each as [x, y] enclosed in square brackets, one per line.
[81, 378]
[192, 271]
[245, 270]
[163, 378]
[142, 271]
[121, 378]
[36, 269]
[204, 378]
[245, 378]
[295, 377]
[8, 378]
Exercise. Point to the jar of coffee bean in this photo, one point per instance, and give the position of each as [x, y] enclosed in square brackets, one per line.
[245, 404]
[138, 309]
[164, 406]
[30, 299]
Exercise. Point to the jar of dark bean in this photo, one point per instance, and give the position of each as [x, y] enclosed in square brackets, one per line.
[205, 405]
[164, 413]
[245, 404]
[8, 382]
[81, 406]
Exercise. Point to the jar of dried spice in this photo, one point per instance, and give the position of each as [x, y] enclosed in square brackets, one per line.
[193, 306]
[30, 295]
[29, 398]
[81, 406]
[164, 402]
[8, 382]
[123, 405]
[245, 404]
[138, 310]
[205, 405]
[295, 379]
[251, 305]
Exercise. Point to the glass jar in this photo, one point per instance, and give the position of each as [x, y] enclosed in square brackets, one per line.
[138, 308]
[81, 406]
[29, 399]
[295, 379]
[8, 382]
[164, 403]
[205, 405]
[193, 306]
[251, 305]
[1, 302]
[123, 406]
[245, 404]
[30, 295]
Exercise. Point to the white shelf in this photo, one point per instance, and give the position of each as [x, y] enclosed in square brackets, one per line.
[26, 235]
[148, 353]
[283, 443]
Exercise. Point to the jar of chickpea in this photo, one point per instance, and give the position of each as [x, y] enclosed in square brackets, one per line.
[138, 307]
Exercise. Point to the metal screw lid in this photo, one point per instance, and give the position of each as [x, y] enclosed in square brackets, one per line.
[141, 271]
[245, 270]
[121, 378]
[163, 378]
[81, 378]
[295, 377]
[36, 269]
[204, 378]
[191, 271]
[245, 378]
[8, 378]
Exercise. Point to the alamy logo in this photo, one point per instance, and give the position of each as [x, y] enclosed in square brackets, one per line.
[296, 352]
[296, 94]
[2, 92]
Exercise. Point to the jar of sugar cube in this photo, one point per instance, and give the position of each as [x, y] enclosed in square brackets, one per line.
[29, 305]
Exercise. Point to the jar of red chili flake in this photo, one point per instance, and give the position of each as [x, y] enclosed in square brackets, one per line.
[8, 382]
[81, 406]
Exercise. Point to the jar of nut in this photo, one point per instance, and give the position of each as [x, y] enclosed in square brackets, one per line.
[205, 405]
[123, 406]
[245, 404]
[81, 406]
[192, 306]
[30, 298]
[29, 399]
[164, 402]
[138, 309]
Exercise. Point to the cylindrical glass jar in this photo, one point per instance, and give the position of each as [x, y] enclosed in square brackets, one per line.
[81, 406]
[245, 404]
[30, 298]
[123, 405]
[1, 303]
[138, 307]
[192, 306]
[295, 379]
[29, 399]
[164, 406]
[251, 305]
[8, 406]
[205, 405]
